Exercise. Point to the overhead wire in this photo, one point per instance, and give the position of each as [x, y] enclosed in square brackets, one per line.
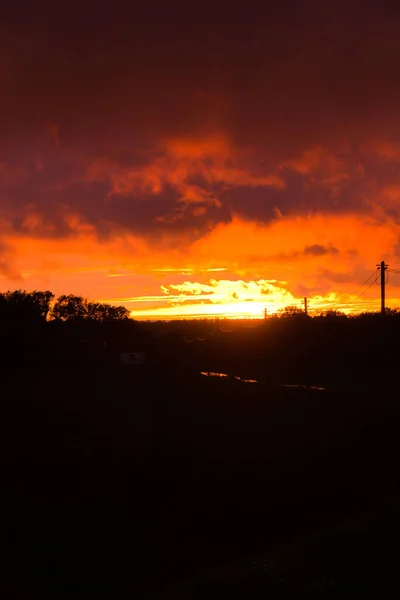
[253, 326]
[344, 304]
[224, 330]
[360, 295]
[196, 339]
[338, 304]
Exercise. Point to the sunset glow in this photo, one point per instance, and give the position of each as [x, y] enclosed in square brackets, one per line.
[314, 256]
[222, 181]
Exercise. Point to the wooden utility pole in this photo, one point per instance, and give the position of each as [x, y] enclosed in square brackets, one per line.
[305, 307]
[382, 267]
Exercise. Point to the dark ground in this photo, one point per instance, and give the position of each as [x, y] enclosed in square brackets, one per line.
[139, 486]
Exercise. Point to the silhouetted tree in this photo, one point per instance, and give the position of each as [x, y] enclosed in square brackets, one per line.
[43, 300]
[392, 312]
[69, 308]
[290, 312]
[100, 312]
[77, 308]
[333, 314]
[26, 306]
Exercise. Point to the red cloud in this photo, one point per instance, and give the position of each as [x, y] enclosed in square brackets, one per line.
[179, 163]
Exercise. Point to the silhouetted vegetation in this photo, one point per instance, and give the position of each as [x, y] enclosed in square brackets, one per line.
[20, 305]
[74, 308]
[152, 480]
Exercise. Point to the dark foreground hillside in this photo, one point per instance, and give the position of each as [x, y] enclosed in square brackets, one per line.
[145, 483]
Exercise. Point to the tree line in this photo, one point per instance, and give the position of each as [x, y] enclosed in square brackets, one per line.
[42, 306]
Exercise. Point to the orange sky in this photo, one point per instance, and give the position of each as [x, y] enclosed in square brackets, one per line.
[238, 269]
[183, 165]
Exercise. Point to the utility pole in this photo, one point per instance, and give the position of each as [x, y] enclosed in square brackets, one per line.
[305, 307]
[382, 267]
[265, 313]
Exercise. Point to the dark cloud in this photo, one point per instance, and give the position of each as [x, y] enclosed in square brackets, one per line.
[337, 277]
[189, 292]
[319, 250]
[268, 73]
[305, 93]
[192, 301]
[191, 204]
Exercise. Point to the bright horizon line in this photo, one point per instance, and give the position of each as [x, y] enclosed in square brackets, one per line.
[165, 314]
[235, 299]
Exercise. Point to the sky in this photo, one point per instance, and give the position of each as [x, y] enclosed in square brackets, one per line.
[189, 159]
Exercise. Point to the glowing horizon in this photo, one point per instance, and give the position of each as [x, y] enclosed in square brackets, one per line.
[323, 258]
[276, 161]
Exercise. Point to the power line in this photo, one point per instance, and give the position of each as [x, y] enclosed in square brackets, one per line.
[362, 293]
[225, 330]
[383, 267]
[344, 304]
[372, 279]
